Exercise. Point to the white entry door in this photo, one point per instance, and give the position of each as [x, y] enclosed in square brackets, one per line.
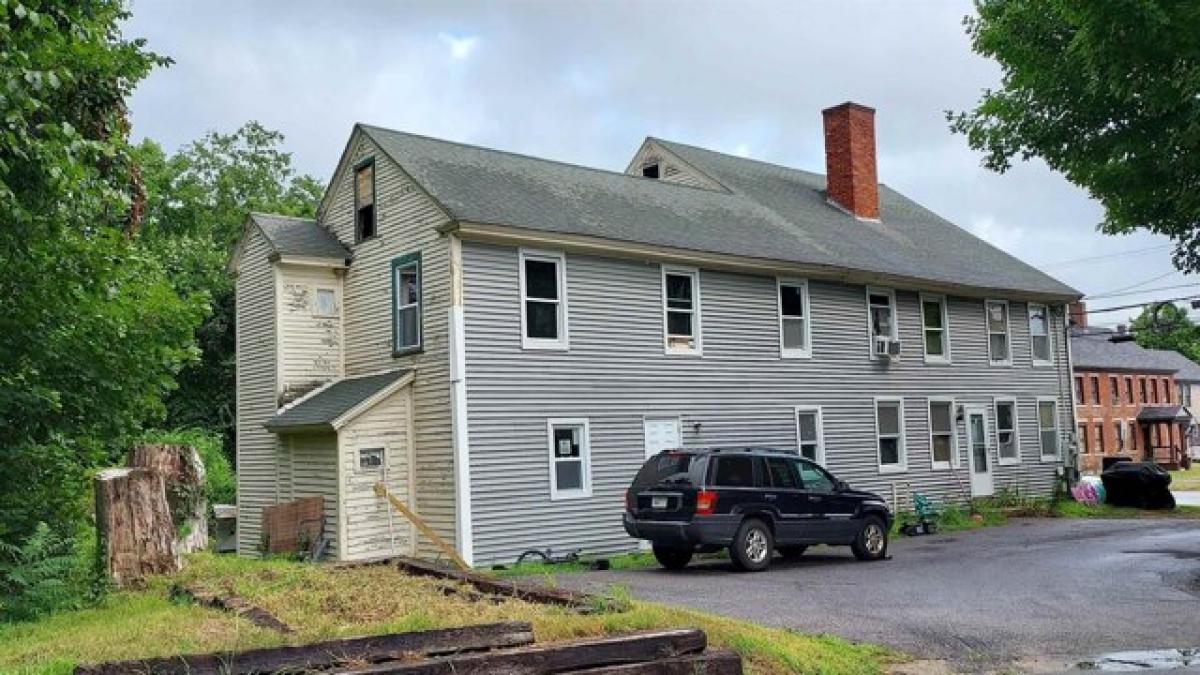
[979, 460]
[662, 433]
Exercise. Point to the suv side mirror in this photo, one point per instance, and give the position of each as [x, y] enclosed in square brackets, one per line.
[840, 486]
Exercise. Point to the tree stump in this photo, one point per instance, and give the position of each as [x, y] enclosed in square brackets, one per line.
[183, 474]
[136, 531]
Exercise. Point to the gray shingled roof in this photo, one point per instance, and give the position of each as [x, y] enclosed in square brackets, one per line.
[1092, 349]
[320, 409]
[771, 212]
[1187, 369]
[1162, 413]
[299, 236]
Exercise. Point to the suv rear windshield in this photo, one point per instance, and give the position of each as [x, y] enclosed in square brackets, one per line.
[661, 467]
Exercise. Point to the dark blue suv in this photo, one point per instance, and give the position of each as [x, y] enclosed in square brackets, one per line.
[753, 501]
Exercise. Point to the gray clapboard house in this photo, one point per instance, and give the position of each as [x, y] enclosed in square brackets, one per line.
[503, 339]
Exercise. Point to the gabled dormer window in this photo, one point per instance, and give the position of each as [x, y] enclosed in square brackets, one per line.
[364, 200]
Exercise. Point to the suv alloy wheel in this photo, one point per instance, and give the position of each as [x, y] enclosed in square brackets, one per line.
[752, 546]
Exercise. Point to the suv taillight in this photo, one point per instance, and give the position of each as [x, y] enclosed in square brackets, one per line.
[629, 500]
[706, 502]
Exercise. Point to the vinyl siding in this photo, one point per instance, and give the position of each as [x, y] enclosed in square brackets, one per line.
[406, 219]
[739, 392]
[671, 169]
[314, 462]
[310, 346]
[373, 528]
[255, 345]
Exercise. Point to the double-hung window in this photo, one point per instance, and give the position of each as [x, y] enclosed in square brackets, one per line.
[809, 435]
[1119, 431]
[1095, 389]
[999, 351]
[681, 310]
[881, 315]
[795, 331]
[1114, 385]
[1084, 443]
[889, 435]
[364, 200]
[1129, 389]
[941, 434]
[1047, 414]
[406, 304]
[935, 328]
[1008, 442]
[570, 458]
[543, 300]
[1099, 429]
[324, 303]
[1039, 334]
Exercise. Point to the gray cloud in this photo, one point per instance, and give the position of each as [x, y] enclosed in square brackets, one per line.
[584, 82]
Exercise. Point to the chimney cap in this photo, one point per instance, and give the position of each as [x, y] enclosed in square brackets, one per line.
[848, 105]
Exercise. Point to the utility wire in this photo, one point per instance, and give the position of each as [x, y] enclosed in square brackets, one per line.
[1131, 286]
[1142, 304]
[1104, 256]
[1142, 290]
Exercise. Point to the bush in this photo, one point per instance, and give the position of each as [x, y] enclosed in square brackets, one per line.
[220, 482]
[47, 573]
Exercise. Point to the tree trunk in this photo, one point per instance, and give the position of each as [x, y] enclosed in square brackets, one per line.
[183, 473]
[137, 534]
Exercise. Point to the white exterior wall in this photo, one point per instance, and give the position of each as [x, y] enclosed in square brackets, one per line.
[310, 346]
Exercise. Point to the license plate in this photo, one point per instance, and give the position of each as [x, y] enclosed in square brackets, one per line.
[658, 502]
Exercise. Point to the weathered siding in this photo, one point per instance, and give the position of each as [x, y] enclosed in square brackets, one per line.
[255, 345]
[310, 346]
[739, 392]
[373, 528]
[314, 469]
[671, 169]
[407, 219]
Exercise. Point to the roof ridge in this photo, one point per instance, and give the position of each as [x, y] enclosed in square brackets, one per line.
[535, 158]
[739, 158]
[280, 215]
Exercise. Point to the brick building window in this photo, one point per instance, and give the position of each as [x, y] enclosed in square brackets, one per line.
[1095, 390]
[1099, 429]
[1166, 391]
[1119, 434]
[1083, 439]
[1079, 389]
[1114, 386]
[1129, 389]
[1142, 386]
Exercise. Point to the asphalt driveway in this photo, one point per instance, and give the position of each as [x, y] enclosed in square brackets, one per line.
[1044, 591]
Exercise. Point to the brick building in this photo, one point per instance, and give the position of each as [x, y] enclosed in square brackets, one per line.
[1126, 400]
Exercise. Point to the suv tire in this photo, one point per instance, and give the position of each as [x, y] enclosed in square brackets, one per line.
[792, 552]
[872, 540]
[673, 557]
[752, 546]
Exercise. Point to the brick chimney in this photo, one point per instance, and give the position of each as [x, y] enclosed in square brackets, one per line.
[853, 182]
[1077, 312]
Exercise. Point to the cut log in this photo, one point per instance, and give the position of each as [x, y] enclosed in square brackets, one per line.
[708, 663]
[328, 654]
[183, 475]
[136, 532]
[499, 586]
[555, 657]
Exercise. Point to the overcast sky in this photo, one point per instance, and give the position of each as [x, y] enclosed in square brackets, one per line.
[585, 82]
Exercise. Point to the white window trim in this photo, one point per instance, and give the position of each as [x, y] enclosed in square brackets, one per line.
[697, 331]
[370, 444]
[802, 284]
[891, 293]
[1016, 420]
[1057, 430]
[563, 343]
[954, 461]
[316, 314]
[820, 430]
[585, 456]
[1049, 334]
[945, 305]
[987, 329]
[902, 448]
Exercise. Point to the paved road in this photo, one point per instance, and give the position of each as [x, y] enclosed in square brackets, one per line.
[1067, 589]
[1187, 497]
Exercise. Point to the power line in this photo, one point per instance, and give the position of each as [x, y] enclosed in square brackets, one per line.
[1142, 290]
[1131, 286]
[1104, 256]
[1142, 304]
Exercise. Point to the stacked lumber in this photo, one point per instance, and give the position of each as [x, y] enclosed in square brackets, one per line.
[504, 648]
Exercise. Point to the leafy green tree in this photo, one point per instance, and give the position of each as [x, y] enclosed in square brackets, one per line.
[1167, 326]
[92, 332]
[197, 201]
[1108, 93]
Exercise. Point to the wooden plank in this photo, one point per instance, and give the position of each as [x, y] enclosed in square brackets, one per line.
[328, 654]
[500, 586]
[232, 603]
[554, 657]
[708, 663]
[382, 491]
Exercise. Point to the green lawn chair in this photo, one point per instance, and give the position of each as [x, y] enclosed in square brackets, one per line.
[927, 514]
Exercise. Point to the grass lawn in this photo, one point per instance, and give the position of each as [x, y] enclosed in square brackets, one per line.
[322, 601]
[1186, 480]
[1065, 509]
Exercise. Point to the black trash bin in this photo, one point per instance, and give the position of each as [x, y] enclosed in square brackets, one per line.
[1144, 485]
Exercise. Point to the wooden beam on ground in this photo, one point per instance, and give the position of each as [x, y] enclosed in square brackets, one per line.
[553, 657]
[327, 654]
[500, 586]
[234, 604]
[382, 491]
[708, 663]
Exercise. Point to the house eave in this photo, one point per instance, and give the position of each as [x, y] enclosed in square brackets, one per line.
[510, 235]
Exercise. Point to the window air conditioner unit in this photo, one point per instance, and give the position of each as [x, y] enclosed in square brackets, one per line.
[887, 347]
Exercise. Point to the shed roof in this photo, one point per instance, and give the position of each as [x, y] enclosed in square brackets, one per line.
[290, 236]
[1092, 348]
[1163, 413]
[769, 212]
[325, 406]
